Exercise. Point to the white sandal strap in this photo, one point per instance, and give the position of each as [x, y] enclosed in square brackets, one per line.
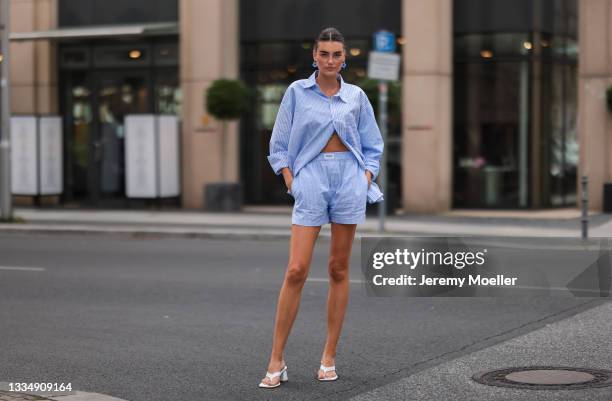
[326, 369]
[275, 374]
[272, 375]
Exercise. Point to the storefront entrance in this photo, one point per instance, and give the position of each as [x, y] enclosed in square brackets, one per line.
[94, 103]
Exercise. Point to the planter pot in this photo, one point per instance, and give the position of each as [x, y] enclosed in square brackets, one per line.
[223, 197]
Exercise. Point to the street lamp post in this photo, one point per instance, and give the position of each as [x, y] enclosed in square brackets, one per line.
[6, 212]
[382, 113]
[383, 65]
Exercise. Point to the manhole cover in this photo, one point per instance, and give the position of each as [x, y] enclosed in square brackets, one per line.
[546, 378]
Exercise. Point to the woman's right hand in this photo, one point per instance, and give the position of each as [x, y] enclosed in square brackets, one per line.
[288, 178]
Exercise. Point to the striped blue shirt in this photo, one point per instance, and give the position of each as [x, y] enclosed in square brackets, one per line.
[307, 118]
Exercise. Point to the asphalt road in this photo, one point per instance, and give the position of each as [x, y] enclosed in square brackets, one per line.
[191, 320]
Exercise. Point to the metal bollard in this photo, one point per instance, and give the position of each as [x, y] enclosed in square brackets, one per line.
[585, 206]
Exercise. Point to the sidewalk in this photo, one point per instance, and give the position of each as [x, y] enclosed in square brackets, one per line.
[73, 396]
[581, 341]
[275, 222]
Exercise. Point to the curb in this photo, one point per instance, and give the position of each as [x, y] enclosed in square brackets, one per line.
[148, 233]
[83, 396]
[248, 233]
[77, 396]
[172, 232]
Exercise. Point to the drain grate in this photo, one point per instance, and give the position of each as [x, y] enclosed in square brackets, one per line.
[546, 378]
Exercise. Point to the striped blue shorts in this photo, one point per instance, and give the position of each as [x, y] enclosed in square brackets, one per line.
[332, 187]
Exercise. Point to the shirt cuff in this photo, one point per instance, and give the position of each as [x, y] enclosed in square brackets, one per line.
[373, 167]
[278, 161]
[375, 195]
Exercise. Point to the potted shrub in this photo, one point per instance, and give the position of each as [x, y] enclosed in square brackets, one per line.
[226, 100]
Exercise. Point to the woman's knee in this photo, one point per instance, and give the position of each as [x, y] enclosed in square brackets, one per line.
[338, 269]
[296, 273]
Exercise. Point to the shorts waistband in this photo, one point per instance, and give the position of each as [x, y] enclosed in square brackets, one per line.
[347, 154]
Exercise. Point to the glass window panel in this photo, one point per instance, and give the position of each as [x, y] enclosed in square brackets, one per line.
[555, 144]
[74, 57]
[489, 47]
[488, 101]
[572, 18]
[103, 12]
[122, 56]
[571, 155]
[81, 115]
[166, 54]
[168, 95]
[270, 97]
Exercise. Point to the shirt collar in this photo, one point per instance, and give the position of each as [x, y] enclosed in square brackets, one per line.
[311, 81]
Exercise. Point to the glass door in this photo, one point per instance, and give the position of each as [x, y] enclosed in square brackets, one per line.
[118, 94]
[96, 104]
[78, 120]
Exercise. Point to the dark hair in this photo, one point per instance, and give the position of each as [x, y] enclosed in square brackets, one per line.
[330, 35]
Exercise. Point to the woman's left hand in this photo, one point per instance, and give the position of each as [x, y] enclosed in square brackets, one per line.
[368, 174]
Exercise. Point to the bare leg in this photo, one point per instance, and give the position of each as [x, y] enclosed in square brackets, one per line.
[339, 258]
[303, 239]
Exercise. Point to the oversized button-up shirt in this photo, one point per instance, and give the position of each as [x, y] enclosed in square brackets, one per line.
[307, 118]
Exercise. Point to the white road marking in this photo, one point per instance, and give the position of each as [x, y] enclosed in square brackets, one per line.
[33, 269]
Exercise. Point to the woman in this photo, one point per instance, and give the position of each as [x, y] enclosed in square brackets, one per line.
[326, 144]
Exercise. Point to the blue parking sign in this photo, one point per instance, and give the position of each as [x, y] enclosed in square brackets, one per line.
[384, 41]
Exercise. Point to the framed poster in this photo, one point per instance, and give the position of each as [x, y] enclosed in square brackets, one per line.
[50, 155]
[24, 155]
[169, 177]
[140, 156]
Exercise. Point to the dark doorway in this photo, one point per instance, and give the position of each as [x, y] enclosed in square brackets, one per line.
[94, 104]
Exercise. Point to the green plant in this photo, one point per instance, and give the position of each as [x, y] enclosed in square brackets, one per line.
[370, 87]
[609, 98]
[394, 90]
[227, 99]
[12, 219]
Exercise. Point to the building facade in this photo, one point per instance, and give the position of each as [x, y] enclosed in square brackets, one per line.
[486, 114]
[514, 82]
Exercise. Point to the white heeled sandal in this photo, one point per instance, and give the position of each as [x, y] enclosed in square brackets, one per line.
[326, 369]
[283, 378]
